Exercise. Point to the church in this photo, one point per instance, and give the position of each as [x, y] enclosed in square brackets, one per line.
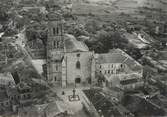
[69, 61]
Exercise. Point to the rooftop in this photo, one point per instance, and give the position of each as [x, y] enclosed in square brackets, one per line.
[103, 105]
[118, 56]
[7, 77]
[73, 45]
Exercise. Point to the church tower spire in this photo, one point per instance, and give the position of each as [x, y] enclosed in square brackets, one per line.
[55, 48]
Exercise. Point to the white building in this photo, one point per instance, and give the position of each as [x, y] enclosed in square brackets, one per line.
[120, 70]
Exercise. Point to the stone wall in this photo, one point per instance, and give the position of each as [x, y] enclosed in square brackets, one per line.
[85, 67]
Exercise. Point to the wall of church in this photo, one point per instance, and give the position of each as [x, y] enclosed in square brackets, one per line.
[78, 66]
[55, 72]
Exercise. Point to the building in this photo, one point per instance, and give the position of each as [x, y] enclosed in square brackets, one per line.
[68, 61]
[105, 106]
[6, 79]
[119, 70]
[24, 94]
[8, 100]
[36, 49]
[52, 109]
[4, 100]
[141, 105]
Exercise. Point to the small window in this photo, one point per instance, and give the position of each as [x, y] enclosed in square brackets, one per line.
[57, 30]
[55, 78]
[100, 67]
[54, 31]
[122, 66]
[7, 103]
[56, 68]
[28, 96]
[54, 44]
[108, 71]
[58, 44]
[78, 55]
[78, 65]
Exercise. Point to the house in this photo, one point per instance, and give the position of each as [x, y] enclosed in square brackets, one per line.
[141, 105]
[4, 101]
[25, 94]
[104, 106]
[8, 100]
[36, 49]
[52, 109]
[119, 70]
[6, 79]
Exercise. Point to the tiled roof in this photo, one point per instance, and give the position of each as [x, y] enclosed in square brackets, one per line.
[111, 58]
[118, 56]
[7, 77]
[72, 44]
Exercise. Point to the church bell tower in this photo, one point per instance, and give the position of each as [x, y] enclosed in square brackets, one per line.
[55, 48]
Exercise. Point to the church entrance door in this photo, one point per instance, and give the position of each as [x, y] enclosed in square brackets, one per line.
[77, 80]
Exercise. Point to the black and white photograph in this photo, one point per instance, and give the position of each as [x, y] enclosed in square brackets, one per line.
[83, 58]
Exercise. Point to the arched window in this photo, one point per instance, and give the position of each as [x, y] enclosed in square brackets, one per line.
[54, 44]
[57, 30]
[58, 44]
[54, 31]
[56, 68]
[78, 65]
[78, 55]
[122, 65]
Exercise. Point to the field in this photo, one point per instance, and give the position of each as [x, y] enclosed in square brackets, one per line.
[119, 10]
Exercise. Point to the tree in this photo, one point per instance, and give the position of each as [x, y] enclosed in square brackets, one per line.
[3, 14]
[92, 27]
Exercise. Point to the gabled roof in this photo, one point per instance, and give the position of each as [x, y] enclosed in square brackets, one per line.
[73, 45]
[118, 56]
[8, 77]
[111, 58]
